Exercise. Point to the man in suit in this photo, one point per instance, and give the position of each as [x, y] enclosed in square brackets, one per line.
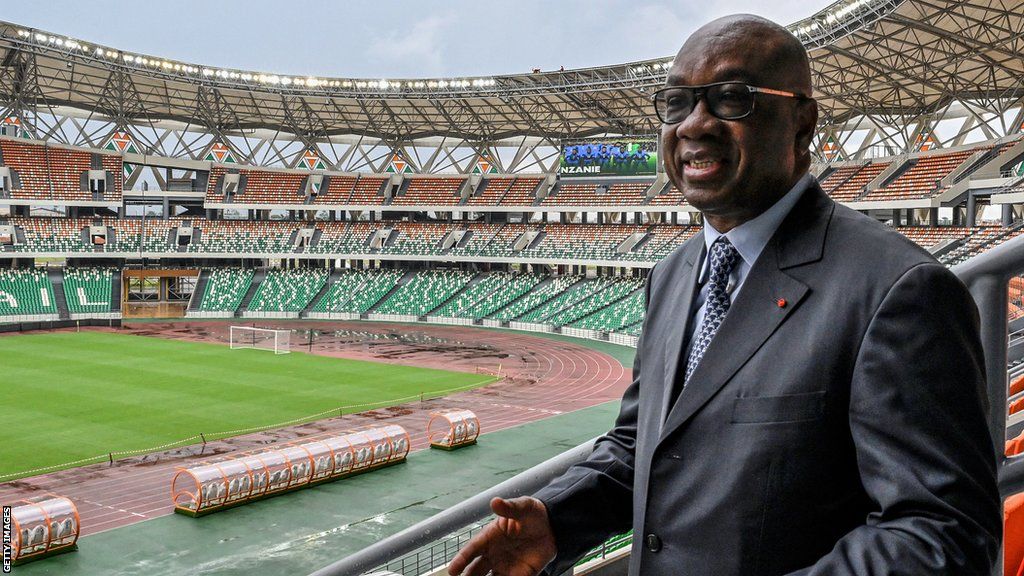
[808, 387]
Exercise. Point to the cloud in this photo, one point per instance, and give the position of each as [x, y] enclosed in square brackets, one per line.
[417, 50]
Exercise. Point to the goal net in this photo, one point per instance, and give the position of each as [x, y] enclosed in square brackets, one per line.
[276, 341]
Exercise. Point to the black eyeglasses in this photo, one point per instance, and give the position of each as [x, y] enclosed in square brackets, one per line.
[725, 100]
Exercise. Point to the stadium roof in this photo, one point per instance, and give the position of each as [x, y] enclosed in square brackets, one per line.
[894, 61]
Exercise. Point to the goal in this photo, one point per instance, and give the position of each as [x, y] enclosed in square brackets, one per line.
[277, 341]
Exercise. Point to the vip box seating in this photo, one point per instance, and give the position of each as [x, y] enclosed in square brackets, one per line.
[631, 193]
[356, 291]
[583, 241]
[425, 291]
[543, 293]
[56, 174]
[88, 290]
[287, 290]
[492, 292]
[853, 186]
[431, 192]
[225, 289]
[922, 179]
[25, 292]
[625, 312]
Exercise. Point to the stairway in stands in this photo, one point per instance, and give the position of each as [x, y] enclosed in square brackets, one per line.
[335, 275]
[199, 290]
[401, 282]
[115, 291]
[257, 278]
[56, 276]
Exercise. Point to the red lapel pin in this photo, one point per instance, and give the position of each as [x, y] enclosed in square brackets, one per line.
[781, 302]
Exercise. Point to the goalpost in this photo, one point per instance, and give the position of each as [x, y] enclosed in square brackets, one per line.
[278, 341]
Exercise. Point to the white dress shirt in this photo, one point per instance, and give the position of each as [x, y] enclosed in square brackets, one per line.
[749, 238]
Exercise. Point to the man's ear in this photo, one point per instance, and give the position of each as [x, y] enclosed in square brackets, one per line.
[806, 125]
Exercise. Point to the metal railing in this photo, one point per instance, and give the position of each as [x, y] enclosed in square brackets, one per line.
[985, 275]
[456, 517]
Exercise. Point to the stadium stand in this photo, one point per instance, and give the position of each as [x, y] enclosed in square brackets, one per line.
[544, 292]
[615, 289]
[287, 290]
[494, 190]
[25, 292]
[368, 190]
[88, 289]
[431, 192]
[490, 293]
[522, 192]
[425, 291]
[670, 196]
[625, 312]
[346, 294]
[922, 179]
[577, 294]
[632, 193]
[225, 289]
[498, 244]
[418, 238]
[583, 241]
[338, 190]
[232, 237]
[853, 186]
[58, 174]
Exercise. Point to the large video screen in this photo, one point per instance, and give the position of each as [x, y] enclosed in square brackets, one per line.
[609, 157]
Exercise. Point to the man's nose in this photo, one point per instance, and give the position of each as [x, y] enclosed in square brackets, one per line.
[699, 123]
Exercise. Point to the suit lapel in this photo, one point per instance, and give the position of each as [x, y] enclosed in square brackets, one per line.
[682, 294]
[756, 313]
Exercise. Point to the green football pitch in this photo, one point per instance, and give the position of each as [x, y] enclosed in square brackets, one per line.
[69, 397]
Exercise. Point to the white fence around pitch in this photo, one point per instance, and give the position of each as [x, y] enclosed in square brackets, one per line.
[531, 327]
[209, 314]
[393, 317]
[450, 320]
[581, 333]
[259, 314]
[28, 318]
[333, 315]
[96, 316]
[492, 323]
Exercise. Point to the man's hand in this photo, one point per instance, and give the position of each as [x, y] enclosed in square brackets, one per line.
[518, 543]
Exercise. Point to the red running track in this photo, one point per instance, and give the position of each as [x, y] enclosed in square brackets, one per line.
[542, 378]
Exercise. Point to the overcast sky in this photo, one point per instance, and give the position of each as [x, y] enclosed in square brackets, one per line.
[392, 38]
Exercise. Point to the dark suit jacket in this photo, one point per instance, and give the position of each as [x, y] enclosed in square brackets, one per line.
[835, 426]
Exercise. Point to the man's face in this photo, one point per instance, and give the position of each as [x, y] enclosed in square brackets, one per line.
[732, 169]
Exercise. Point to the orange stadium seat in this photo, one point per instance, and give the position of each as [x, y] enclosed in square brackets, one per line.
[1013, 536]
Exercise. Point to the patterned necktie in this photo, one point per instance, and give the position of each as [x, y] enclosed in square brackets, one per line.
[723, 259]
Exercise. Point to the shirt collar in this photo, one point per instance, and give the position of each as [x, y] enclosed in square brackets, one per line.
[752, 236]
